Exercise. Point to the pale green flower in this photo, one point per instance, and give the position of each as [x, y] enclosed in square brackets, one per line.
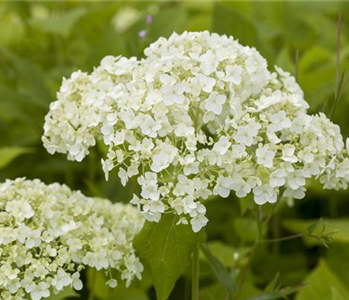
[50, 233]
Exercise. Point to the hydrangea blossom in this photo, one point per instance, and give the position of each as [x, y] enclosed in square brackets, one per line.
[48, 234]
[200, 115]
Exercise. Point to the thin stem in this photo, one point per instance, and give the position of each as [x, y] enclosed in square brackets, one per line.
[339, 28]
[285, 238]
[92, 286]
[253, 251]
[187, 288]
[296, 64]
[195, 275]
[339, 77]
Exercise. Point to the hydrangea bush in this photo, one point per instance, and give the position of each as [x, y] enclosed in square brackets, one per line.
[200, 115]
[49, 234]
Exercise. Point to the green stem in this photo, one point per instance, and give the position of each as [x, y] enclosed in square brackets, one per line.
[91, 295]
[284, 238]
[258, 240]
[195, 275]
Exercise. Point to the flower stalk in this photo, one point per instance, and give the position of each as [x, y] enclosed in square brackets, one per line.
[195, 274]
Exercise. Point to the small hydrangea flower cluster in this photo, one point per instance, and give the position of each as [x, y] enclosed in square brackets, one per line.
[200, 115]
[48, 234]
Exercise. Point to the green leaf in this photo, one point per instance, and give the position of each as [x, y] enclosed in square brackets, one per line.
[66, 293]
[246, 229]
[226, 254]
[282, 293]
[97, 283]
[162, 27]
[286, 60]
[293, 267]
[8, 154]
[322, 283]
[129, 294]
[227, 20]
[274, 284]
[338, 261]
[222, 274]
[337, 295]
[61, 24]
[245, 205]
[30, 79]
[213, 292]
[165, 248]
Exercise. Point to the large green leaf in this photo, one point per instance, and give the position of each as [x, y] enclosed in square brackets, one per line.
[217, 292]
[61, 24]
[213, 292]
[161, 25]
[165, 248]
[8, 154]
[338, 261]
[96, 284]
[65, 294]
[222, 274]
[227, 20]
[337, 295]
[30, 79]
[322, 283]
[227, 254]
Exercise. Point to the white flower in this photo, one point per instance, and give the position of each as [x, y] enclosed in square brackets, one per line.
[246, 134]
[51, 248]
[288, 154]
[40, 291]
[165, 156]
[76, 281]
[265, 156]
[278, 178]
[184, 130]
[206, 83]
[264, 194]
[61, 280]
[149, 186]
[280, 120]
[173, 93]
[123, 176]
[198, 222]
[222, 145]
[296, 179]
[191, 168]
[150, 127]
[206, 116]
[20, 210]
[112, 283]
[223, 186]
[297, 194]
[233, 74]
[241, 188]
[107, 166]
[215, 103]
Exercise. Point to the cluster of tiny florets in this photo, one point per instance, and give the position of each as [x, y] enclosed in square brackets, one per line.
[49, 234]
[200, 115]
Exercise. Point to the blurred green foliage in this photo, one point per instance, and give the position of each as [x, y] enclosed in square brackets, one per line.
[41, 42]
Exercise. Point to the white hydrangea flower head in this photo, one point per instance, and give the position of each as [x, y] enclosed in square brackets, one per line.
[48, 234]
[200, 115]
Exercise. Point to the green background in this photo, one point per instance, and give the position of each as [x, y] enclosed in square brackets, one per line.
[41, 42]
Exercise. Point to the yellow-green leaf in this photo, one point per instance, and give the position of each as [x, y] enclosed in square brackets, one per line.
[322, 283]
[8, 154]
